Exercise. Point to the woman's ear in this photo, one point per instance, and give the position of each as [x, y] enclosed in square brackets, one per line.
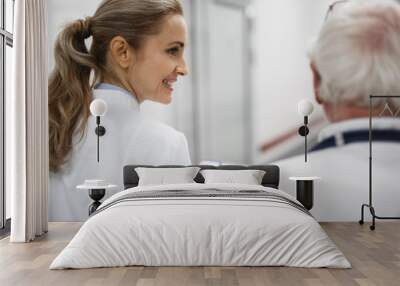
[121, 52]
[316, 82]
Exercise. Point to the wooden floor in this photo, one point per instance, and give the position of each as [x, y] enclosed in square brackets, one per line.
[375, 257]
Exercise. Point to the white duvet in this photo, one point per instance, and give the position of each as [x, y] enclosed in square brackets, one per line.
[200, 231]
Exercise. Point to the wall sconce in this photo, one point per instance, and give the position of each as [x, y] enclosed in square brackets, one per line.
[305, 108]
[98, 107]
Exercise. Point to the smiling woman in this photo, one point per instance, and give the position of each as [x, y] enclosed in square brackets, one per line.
[136, 55]
[158, 64]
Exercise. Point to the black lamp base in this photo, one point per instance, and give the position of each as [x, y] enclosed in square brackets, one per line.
[96, 195]
[305, 193]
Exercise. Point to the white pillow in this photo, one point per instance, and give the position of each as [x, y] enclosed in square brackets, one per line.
[248, 177]
[163, 176]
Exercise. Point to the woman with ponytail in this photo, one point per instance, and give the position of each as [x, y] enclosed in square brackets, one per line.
[136, 54]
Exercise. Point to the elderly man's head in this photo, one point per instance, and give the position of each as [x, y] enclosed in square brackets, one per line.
[357, 53]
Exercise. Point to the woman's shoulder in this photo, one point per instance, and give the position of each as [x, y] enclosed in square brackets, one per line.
[165, 144]
[159, 130]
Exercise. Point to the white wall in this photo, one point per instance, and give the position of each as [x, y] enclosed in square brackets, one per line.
[221, 81]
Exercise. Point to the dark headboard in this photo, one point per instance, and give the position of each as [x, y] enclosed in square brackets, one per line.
[270, 179]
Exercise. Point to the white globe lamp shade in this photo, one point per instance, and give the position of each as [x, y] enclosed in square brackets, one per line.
[305, 107]
[98, 107]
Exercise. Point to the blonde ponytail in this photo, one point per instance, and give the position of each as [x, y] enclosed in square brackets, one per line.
[69, 90]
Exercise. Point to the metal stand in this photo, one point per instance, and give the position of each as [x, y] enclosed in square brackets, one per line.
[370, 206]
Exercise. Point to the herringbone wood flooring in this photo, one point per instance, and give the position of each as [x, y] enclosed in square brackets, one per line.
[375, 257]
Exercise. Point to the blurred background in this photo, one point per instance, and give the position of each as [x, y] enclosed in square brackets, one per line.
[248, 70]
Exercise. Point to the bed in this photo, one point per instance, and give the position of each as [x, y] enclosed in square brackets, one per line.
[201, 224]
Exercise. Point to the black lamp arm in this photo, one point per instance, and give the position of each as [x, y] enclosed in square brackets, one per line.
[303, 131]
[100, 131]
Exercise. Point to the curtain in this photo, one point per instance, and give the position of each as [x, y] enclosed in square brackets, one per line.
[28, 123]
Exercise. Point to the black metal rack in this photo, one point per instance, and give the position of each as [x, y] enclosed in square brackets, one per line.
[370, 205]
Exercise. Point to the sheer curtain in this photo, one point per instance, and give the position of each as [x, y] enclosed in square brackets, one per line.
[28, 123]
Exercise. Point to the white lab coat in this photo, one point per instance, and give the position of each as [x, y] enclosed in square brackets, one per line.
[345, 173]
[129, 139]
